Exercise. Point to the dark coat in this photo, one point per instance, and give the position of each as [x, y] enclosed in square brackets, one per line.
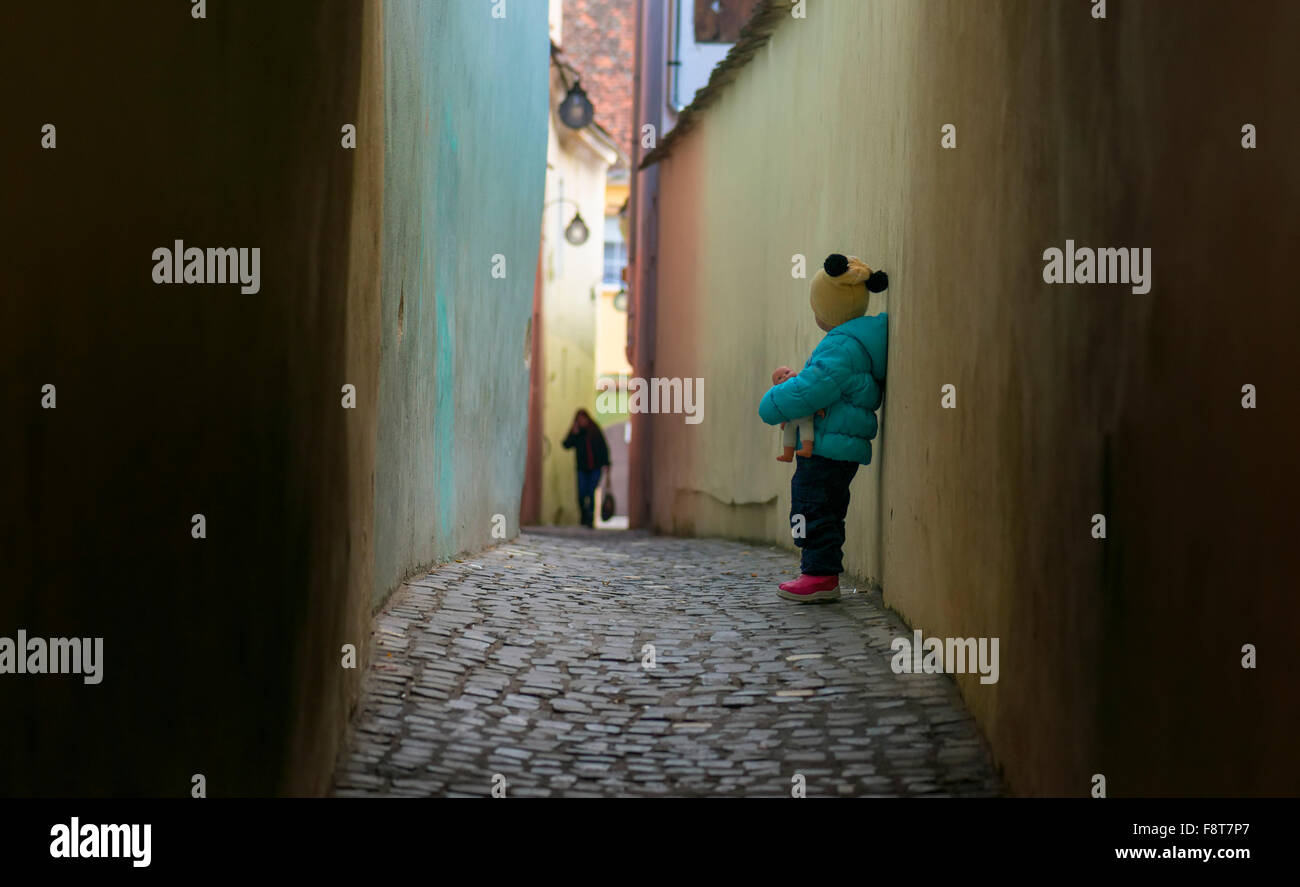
[589, 447]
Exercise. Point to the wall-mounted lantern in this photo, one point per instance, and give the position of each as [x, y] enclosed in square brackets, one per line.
[576, 110]
[577, 232]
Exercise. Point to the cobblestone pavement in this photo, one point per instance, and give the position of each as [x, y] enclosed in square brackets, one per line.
[526, 661]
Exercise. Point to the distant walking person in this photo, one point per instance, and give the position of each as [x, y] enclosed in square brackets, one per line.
[592, 452]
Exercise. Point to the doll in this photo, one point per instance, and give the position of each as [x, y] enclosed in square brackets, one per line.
[798, 430]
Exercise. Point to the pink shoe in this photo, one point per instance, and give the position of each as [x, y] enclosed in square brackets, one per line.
[811, 589]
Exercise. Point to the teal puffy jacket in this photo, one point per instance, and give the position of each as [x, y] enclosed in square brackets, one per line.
[845, 376]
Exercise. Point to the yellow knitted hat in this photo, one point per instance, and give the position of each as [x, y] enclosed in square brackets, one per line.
[841, 288]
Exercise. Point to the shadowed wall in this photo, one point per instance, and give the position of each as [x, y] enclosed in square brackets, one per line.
[179, 399]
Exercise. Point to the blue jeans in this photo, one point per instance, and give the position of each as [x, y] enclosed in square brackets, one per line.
[587, 483]
[820, 492]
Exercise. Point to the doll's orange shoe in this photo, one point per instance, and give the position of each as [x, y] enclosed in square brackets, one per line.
[787, 456]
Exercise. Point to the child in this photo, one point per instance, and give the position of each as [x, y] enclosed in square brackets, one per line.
[844, 378]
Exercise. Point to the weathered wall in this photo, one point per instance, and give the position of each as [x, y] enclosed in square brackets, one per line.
[221, 653]
[1121, 656]
[465, 119]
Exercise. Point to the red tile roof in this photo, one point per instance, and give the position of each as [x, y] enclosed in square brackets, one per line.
[598, 38]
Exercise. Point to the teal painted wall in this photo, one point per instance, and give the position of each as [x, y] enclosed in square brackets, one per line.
[464, 169]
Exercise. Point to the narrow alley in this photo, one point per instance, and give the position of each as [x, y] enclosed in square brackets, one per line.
[525, 663]
[485, 398]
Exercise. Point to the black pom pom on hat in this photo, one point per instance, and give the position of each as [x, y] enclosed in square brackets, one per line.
[878, 282]
[835, 264]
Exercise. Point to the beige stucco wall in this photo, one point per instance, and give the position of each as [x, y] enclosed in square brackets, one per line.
[611, 335]
[1119, 657]
[570, 286]
[611, 323]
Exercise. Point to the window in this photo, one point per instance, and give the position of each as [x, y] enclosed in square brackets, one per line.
[720, 21]
[615, 253]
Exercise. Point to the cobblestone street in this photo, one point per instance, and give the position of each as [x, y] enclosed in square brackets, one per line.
[527, 661]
